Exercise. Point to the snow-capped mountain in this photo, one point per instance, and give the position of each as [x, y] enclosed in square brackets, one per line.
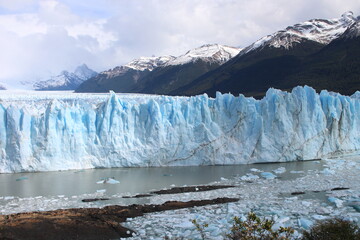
[160, 74]
[353, 31]
[139, 64]
[322, 31]
[83, 72]
[2, 87]
[66, 80]
[213, 53]
[149, 63]
[322, 53]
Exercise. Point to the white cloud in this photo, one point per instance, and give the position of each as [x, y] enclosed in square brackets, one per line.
[43, 37]
[15, 5]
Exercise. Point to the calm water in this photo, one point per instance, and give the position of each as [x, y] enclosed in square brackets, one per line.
[132, 180]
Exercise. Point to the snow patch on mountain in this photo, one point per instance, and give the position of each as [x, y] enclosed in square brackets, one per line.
[83, 72]
[318, 30]
[149, 63]
[66, 80]
[213, 53]
[353, 31]
[139, 64]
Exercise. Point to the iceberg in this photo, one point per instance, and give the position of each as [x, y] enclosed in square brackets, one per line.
[268, 175]
[79, 131]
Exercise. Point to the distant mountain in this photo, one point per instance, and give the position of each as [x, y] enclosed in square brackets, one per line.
[66, 80]
[2, 87]
[320, 53]
[123, 78]
[160, 75]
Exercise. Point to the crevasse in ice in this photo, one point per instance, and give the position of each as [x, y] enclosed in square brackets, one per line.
[178, 131]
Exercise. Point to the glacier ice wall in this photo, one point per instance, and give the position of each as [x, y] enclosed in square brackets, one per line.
[177, 131]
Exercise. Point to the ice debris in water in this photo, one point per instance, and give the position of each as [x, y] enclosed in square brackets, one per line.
[249, 177]
[280, 170]
[21, 178]
[268, 175]
[267, 198]
[327, 171]
[305, 223]
[338, 202]
[108, 181]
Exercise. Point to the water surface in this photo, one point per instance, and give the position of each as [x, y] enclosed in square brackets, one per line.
[133, 180]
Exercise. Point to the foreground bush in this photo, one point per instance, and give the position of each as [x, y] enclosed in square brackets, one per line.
[333, 229]
[254, 228]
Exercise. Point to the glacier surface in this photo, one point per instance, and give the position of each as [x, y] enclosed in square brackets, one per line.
[77, 131]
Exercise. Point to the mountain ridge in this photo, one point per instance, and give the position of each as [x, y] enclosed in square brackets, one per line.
[65, 80]
[305, 62]
[158, 74]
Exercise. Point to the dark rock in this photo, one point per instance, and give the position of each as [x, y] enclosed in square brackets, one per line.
[138, 196]
[339, 188]
[191, 189]
[297, 193]
[94, 199]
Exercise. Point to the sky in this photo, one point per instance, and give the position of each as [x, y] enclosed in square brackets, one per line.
[40, 38]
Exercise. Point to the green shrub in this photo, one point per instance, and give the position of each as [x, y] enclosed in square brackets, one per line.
[333, 229]
[254, 228]
[200, 228]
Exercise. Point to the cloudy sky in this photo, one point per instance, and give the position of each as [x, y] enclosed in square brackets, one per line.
[39, 38]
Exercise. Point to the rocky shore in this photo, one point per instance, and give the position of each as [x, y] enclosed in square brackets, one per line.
[85, 223]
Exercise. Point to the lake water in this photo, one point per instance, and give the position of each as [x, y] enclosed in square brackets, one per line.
[132, 180]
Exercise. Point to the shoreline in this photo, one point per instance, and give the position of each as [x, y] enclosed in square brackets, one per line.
[86, 223]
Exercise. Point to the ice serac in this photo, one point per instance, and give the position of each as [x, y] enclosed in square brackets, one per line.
[124, 131]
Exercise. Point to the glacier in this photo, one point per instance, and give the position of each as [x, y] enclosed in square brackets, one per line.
[78, 131]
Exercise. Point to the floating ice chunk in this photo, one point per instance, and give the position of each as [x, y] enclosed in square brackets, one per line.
[305, 223]
[306, 203]
[268, 175]
[296, 172]
[327, 171]
[21, 178]
[319, 217]
[249, 177]
[223, 179]
[108, 181]
[255, 170]
[338, 203]
[323, 210]
[113, 181]
[9, 197]
[101, 190]
[280, 170]
[356, 207]
[276, 226]
[283, 219]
